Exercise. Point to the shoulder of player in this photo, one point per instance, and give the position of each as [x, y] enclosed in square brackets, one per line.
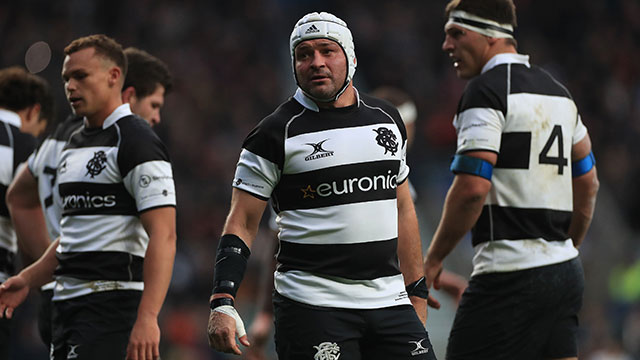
[65, 129]
[135, 126]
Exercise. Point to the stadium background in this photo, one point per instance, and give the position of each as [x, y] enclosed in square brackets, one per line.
[231, 64]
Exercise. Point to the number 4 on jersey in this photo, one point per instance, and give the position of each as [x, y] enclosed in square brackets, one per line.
[559, 160]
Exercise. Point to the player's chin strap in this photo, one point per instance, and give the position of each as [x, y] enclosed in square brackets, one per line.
[231, 263]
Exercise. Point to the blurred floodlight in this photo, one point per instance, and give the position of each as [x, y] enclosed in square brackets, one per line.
[37, 57]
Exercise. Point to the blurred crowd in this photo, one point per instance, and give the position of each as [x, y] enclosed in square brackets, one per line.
[232, 66]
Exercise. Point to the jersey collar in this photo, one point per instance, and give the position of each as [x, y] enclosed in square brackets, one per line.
[10, 117]
[120, 112]
[506, 58]
[306, 101]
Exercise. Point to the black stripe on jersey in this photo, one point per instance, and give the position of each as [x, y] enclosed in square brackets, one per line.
[138, 144]
[4, 211]
[340, 118]
[100, 265]
[5, 140]
[65, 129]
[93, 137]
[488, 90]
[535, 80]
[361, 261]
[344, 184]
[7, 261]
[509, 223]
[23, 146]
[267, 139]
[81, 198]
[515, 148]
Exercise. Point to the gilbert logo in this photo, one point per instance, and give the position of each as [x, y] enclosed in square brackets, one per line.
[419, 350]
[312, 29]
[318, 151]
[72, 354]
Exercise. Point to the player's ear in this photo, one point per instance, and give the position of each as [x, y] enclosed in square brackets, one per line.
[128, 94]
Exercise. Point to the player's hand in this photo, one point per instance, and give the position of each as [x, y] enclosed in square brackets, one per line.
[224, 325]
[432, 271]
[144, 341]
[259, 334]
[453, 284]
[420, 306]
[12, 293]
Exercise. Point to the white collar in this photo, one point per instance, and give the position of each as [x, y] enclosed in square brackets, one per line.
[117, 114]
[306, 101]
[10, 117]
[506, 58]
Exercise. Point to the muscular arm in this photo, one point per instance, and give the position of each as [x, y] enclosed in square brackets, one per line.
[243, 221]
[27, 216]
[410, 247]
[462, 208]
[585, 189]
[160, 224]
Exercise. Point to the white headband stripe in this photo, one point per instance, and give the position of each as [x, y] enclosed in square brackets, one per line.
[480, 25]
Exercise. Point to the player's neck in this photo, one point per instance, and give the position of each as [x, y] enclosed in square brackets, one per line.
[97, 119]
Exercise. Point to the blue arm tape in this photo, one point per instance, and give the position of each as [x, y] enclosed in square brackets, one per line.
[471, 165]
[583, 166]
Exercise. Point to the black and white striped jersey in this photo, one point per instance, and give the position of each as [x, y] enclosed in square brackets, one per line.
[106, 177]
[332, 178]
[43, 164]
[522, 113]
[15, 147]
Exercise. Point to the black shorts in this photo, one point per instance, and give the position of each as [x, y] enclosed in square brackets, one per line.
[94, 327]
[527, 314]
[44, 316]
[311, 332]
[5, 338]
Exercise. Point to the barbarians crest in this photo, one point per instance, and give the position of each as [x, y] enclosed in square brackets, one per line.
[387, 139]
[327, 351]
[96, 164]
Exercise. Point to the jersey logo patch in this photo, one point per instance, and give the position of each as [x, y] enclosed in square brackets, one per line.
[318, 151]
[419, 348]
[387, 139]
[327, 351]
[96, 164]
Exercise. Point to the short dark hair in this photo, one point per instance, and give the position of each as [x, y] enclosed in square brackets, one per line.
[20, 89]
[104, 46]
[501, 11]
[146, 72]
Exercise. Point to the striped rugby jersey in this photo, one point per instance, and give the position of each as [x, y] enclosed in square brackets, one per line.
[332, 177]
[522, 113]
[106, 177]
[15, 147]
[43, 164]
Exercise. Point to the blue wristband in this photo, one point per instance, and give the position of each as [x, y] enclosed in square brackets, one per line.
[581, 167]
[471, 165]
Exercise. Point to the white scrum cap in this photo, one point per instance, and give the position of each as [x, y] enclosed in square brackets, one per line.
[325, 26]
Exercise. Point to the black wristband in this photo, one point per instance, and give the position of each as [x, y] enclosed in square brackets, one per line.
[221, 301]
[418, 288]
[231, 263]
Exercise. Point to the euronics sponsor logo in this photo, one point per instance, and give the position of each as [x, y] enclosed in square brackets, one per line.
[88, 201]
[349, 186]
